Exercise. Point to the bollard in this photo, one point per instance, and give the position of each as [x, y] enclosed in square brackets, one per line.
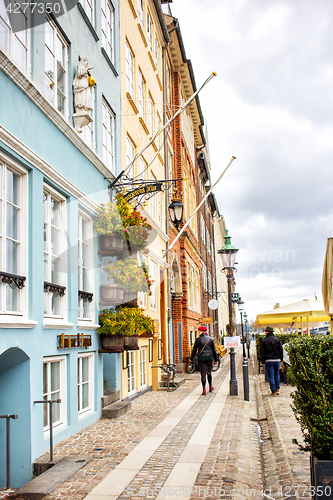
[246, 380]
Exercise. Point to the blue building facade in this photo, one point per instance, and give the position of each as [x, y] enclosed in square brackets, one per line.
[52, 179]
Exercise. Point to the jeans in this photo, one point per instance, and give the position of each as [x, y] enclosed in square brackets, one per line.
[273, 372]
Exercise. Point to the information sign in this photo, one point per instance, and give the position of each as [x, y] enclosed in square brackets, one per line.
[231, 342]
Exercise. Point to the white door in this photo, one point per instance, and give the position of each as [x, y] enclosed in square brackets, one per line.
[131, 372]
[143, 367]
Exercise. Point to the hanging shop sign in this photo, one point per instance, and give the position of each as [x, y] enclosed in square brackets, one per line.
[149, 188]
[207, 320]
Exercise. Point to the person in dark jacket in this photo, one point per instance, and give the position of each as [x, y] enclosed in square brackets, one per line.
[271, 353]
[205, 347]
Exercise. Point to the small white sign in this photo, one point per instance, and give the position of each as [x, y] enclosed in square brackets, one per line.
[232, 342]
[213, 304]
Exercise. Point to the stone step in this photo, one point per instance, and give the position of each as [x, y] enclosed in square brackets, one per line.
[109, 398]
[116, 409]
[178, 380]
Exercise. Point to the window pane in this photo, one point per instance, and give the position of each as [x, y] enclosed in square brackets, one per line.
[12, 298]
[11, 257]
[55, 235]
[85, 369]
[20, 55]
[12, 181]
[45, 379]
[56, 408]
[55, 212]
[49, 36]
[54, 269]
[46, 412]
[12, 222]
[85, 396]
[4, 35]
[55, 376]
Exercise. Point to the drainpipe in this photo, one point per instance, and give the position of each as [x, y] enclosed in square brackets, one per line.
[166, 173]
[166, 176]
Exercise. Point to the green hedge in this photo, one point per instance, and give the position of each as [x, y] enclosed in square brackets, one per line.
[284, 337]
[311, 372]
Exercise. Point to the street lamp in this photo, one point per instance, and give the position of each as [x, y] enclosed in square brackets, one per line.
[240, 304]
[176, 210]
[247, 335]
[228, 256]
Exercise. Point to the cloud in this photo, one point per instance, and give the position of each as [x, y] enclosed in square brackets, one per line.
[271, 106]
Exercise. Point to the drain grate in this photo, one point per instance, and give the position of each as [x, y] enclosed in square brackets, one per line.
[25, 496]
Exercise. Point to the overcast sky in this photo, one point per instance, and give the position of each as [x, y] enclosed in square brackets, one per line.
[271, 106]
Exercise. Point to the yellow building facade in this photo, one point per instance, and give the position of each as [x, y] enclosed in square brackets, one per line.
[142, 35]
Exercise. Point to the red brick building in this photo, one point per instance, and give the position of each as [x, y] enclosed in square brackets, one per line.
[191, 254]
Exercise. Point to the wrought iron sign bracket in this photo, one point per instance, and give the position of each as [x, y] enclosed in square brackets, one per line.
[139, 190]
[13, 280]
[55, 289]
[215, 295]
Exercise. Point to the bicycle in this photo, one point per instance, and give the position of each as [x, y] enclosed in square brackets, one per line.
[191, 366]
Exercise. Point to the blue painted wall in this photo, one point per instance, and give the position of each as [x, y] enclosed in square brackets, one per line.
[22, 349]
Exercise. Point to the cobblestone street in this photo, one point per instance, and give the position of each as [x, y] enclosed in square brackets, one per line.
[192, 446]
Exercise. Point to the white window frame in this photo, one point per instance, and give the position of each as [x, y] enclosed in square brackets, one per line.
[130, 154]
[88, 131]
[22, 257]
[142, 95]
[157, 55]
[143, 367]
[50, 80]
[52, 193]
[141, 15]
[90, 408]
[89, 8]
[129, 70]
[143, 295]
[149, 32]
[62, 422]
[153, 288]
[152, 201]
[143, 171]
[150, 114]
[22, 38]
[108, 28]
[109, 128]
[131, 372]
[88, 308]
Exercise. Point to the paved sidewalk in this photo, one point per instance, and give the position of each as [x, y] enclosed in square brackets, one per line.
[192, 446]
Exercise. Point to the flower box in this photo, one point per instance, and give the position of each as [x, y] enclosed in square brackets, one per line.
[131, 343]
[113, 343]
[321, 478]
[112, 293]
[111, 244]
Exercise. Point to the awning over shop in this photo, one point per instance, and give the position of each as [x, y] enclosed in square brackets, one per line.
[308, 310]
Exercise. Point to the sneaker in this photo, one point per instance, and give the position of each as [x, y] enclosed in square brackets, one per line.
[277, 391]
[273, 393]
[204, 391]
[211, 388]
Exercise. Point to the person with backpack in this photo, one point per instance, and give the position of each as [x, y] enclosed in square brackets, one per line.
[205, 347]
[271, 354]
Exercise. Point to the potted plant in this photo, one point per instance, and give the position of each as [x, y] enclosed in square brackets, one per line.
[118, 223]
[123, 326]
[129, 274]
[311, 372]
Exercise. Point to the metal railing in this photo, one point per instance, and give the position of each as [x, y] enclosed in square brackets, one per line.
[8, 417]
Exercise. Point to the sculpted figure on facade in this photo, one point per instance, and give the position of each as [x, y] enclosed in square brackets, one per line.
[83, 103]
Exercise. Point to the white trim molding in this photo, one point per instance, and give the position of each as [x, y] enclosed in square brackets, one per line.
[46, 169]
[9, 68]
[9, 321]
